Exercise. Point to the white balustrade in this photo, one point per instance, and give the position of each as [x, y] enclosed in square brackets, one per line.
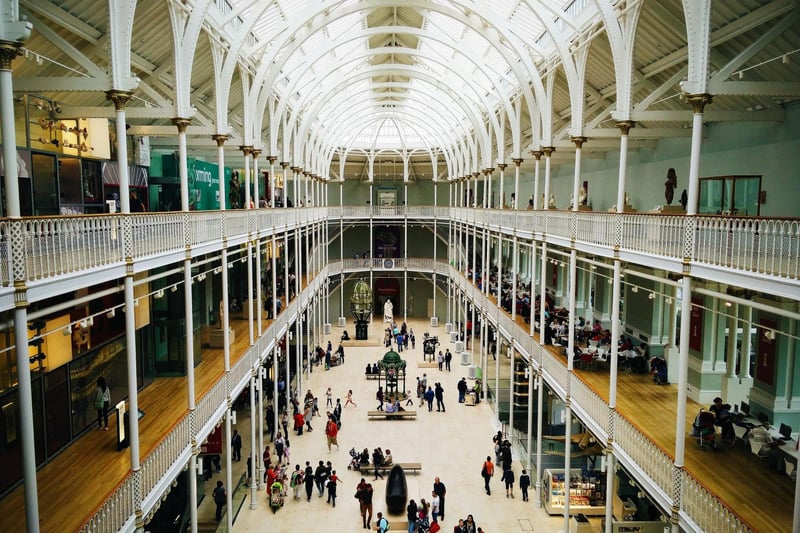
[706, 511]
[115, 511]
[651, 459]
[592, 405]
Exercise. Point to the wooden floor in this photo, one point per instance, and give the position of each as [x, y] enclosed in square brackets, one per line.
[758, 494]
[79, 480]
[76, 482]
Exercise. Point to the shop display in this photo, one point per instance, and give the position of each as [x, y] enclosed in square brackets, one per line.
[586, 491]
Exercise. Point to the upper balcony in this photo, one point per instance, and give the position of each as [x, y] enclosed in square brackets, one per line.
[39, 252]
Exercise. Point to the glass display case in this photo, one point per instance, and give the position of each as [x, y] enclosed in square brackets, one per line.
[730, 195]
[586, 491]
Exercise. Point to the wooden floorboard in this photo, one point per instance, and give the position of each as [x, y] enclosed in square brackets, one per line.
[74, 484]
[760, 495]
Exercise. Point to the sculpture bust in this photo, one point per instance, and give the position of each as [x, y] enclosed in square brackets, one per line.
[388, 315]
[582, 196]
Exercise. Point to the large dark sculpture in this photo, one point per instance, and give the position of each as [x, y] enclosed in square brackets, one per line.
[361, 308]
[669, 186]
[396, 491]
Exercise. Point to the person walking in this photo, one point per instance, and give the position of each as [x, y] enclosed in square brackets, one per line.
[508, 477]
[320, 477]
[331, 431]
[296, 481]
[383, 524]
[279, 445]
[439, 393]
[411, 516]
[308, 480]
[328, 398]
[349, 398]
[377, 462]
[236, 445]
[440, 360]
[379, 397]
[364, 496]
[101, 402]
[440, 490]
[334, 479]
[337, 412]
[429, 398]
[435, 501]
[487, 472]
[524, 483]
[448, 358]
[221, 499]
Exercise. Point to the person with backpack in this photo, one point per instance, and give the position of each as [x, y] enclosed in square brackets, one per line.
[296, 481]
[331, 430]
[487, 472]
[383, 524]
[320, 477]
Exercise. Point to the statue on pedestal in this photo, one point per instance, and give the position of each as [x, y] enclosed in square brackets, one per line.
[552, 203]
[388, 314]
[582, 196]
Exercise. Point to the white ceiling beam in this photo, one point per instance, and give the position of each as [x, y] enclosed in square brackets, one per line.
[47, 85]
[171, 131]
[66, 47]
[749, 88]
[109, 112]
[62, 18]
[710, 115]
[639, 133]
[746, 23]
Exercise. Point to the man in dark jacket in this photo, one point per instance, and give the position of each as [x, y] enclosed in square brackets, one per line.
[462, 390]
[439, 393]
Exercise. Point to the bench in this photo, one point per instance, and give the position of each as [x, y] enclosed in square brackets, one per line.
[395, 526]
[372, 376]
[407, 468]
[398, 414]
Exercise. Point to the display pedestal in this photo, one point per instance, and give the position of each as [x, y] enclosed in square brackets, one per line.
[362, 329]
[671, 210]
[217, 339]
[584, 208]
[627, 209]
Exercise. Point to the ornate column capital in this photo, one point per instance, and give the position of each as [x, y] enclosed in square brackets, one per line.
[578, 140]
[256, 153]
[9, 50]
[272, 159]
[284, 164]
[699, 101]
[181, 123]
[502, 166]
[537, 154]
[120, 98]
[246, 150]
[219, 138]
[625, 126]
[476, 174]
[296, 170]
[488, 171]
[517, 161]
[548, 150]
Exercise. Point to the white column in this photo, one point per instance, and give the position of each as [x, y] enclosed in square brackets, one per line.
[578, 142]
[698, 103]
[537, 154]
[548, 152]
[248, 152]
[624, 128]
[683, 374]
[517, 163]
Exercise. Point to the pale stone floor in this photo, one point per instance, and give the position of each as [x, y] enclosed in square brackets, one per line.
[451, 445]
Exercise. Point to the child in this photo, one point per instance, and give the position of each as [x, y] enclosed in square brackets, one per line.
[524, 483]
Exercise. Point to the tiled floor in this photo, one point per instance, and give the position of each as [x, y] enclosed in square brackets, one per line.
[451, 445]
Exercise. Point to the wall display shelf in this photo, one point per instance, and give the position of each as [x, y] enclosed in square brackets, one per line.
[586, 491]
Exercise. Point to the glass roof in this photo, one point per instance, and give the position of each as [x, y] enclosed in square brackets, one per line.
[370, 76]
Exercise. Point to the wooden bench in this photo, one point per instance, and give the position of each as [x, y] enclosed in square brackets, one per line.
[372, 376]
[394, 525]
[407, 467]
[397, 414]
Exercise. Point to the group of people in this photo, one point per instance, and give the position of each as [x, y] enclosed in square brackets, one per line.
[502, 450]
[426, 393]
[328, 356]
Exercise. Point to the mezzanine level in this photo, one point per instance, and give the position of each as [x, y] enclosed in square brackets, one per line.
[59, 254]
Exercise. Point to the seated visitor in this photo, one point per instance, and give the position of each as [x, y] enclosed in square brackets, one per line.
[375, 369]
[723, 417]
[387, 458]
[364, 457]
[345, 336]
[368, 370]
[390, 407]
[397, 407]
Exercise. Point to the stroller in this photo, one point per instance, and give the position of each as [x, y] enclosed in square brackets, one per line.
[658, 367]
[355, 458]
[276, 496]
[704, 430]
